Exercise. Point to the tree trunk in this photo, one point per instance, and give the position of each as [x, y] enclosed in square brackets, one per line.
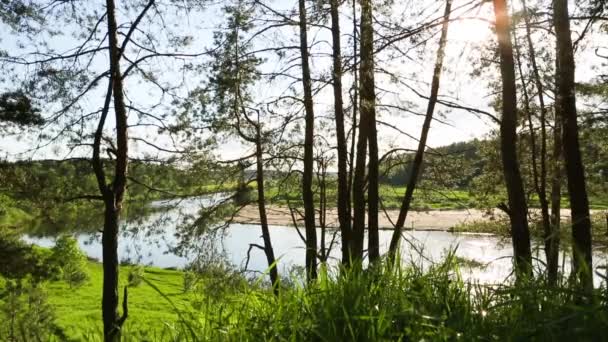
[353, 130]
[538, 179]
[113, 196]
[358, 186]
[110, 274]
[517, 209]
[307, 193]
[368, 109]
[321, 177]
[343, 192]
[556, 198]
[577, 188]
[426, 126]
[550, 230]
[268, 250]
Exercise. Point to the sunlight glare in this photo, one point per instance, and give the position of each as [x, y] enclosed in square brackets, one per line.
[469, 30]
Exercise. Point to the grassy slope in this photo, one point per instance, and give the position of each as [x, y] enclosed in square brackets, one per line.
[78, 309]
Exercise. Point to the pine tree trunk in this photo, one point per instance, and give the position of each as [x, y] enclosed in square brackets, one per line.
[358, 184]
[307, 193]
[109, 243]
[577, 188]
[351, 171]
[113, 197]
[426, 126]
[517, 208]
[358, 190]
[556, 198]
[368, 110]
[343, 191]
[268, 250]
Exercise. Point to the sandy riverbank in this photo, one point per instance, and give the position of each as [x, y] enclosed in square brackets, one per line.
[422, 220]
[430, 220]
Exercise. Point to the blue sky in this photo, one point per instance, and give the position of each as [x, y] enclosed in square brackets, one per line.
[414, 68]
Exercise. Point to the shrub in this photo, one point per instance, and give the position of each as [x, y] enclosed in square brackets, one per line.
[190, 280]
[71, 260]
[19, 260]
[27, 314]
[136, 275]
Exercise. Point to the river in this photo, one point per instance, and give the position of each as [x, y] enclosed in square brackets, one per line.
[151, 241]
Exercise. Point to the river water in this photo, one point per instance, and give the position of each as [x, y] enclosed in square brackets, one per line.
[151, 241]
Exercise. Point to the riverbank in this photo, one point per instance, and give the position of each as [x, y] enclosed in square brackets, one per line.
[439, 220]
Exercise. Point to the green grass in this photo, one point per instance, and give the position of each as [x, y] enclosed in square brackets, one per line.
[391, 196]
[424, 199]
[78, 309]
[403, 304]
[378, 304]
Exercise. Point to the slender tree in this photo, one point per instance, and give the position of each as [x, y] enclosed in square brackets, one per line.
[566, 109]
[234, 72]
[426, 126]
[368, 109]
[556, 198]
[343, 192]
[517, 208]
[268, 250]
[307, 177]
[355, 102]
[70, 82]
[358, 186]
[550, 230]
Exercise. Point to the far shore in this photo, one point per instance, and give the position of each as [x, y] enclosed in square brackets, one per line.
[439, 220]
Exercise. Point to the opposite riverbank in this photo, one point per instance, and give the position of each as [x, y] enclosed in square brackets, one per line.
[440, 220]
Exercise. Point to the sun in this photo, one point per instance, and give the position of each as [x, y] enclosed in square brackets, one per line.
[469, 30]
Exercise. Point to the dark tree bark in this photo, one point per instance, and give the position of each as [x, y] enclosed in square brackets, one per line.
[268, 250]
[368, 110]
[517, 208]
[358, 187]
[549, 230]
[113, 194]
[307, 193]
[322, 179]
[343, 192]
[259, 153]
[556, 199]
[351, 171]
[577, 188]
[426, 126]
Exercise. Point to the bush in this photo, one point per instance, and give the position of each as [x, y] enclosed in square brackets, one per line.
[190, 280]
[26, 314]
[71, 260]
[136, 275]
[19, 260]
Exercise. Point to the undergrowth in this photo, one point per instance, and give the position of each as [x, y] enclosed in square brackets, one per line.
[401, 304]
